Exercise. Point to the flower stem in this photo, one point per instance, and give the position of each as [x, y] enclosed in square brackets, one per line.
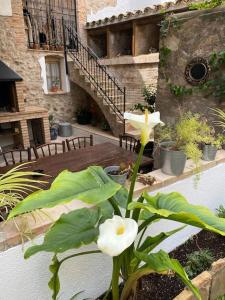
[115, 278]
[133, 178]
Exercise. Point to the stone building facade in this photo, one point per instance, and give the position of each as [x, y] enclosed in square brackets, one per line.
[188, 68]
[28, 63]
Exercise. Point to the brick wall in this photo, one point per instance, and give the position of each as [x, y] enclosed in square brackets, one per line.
[134, 73]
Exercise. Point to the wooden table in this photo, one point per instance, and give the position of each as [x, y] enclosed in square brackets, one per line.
[106, 154]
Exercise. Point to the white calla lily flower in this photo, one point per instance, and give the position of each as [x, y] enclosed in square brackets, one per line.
[145, 123]
[116, 235]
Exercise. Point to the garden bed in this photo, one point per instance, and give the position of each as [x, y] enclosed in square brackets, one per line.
[168, 287]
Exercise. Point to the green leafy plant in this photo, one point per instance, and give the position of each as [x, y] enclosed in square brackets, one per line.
[180, 91]
[198, 261]
[220, 211]
[15, 184]
[188, 132]
[220, 114]
[116, 223]
[164, 54]
[149, 94]
[209, 4]
[221, 298]
[167, 23]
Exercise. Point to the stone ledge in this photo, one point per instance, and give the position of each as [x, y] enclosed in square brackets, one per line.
[35, 224]
[132, 60]
[163, 180]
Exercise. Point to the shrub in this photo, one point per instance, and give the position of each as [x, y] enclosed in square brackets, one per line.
[220, 211]
[198, 261]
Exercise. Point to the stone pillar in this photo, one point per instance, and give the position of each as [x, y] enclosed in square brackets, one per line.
[20, 95]
[82, 19]
[46, 130]
[24, 134]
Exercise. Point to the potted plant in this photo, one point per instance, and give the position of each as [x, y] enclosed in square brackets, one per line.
[186, 135]
[83, 116]
[149, 95]
[118, 173]
[45, 47]
[53, 128]
[212, 143]
[115, 223]
[55, 86]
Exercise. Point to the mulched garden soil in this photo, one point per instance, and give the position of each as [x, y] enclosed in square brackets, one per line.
[157, 287]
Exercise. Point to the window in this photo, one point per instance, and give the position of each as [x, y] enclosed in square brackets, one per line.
[53, 74]
[197, 71]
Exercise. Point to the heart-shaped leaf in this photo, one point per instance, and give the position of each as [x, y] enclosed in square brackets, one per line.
[91, 186]
[174, 206]
[71, 231]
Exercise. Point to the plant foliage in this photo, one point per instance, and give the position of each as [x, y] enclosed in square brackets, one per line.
[220, 211]
[208, 4]
[198, 261]
[82, 227]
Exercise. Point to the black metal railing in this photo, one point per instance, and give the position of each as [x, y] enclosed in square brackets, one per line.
[104, 83]
[43, 19]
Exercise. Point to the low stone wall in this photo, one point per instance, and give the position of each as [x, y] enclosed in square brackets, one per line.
[211, 284]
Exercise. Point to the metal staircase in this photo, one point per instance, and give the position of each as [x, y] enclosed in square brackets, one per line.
[97, 78]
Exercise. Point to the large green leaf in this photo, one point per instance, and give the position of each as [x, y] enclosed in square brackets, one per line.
[161, 262]
[153, 241]
[92, 186]
[174, 206]
[150, 243]
[54, 283]
[71, 231]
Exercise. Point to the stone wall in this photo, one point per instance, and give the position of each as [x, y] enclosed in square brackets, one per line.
[211, 284]
[134, 73]
[14, 52]
[197, 34]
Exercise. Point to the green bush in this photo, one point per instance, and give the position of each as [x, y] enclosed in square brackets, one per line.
[198, 261]
[220, 211]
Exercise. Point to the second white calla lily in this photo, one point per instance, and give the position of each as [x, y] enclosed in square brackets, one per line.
[116, 235]
[145, 123]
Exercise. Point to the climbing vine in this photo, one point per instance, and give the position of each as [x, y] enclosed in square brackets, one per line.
[164, 53]
[179, 91]
[167, 23]
[214, 86]
[209, 4]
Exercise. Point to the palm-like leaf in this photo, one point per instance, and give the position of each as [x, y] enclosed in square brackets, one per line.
[221, 115]
[15, 184]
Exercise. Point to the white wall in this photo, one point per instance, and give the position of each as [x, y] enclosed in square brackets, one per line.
[27, 280]
[122, 6]
[5, 8]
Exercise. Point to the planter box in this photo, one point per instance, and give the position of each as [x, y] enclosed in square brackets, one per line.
[211, 284]
[30, 277]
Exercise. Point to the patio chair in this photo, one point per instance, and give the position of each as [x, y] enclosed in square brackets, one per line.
[12, 157]
[128, 142]
[49, 149]
[80, 142]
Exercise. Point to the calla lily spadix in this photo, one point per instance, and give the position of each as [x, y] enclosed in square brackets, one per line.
[116, 235]
[145, 123]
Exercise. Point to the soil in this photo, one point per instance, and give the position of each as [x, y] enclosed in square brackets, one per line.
[159, 287]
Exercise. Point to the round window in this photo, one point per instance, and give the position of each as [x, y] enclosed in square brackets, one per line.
[197, 71]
